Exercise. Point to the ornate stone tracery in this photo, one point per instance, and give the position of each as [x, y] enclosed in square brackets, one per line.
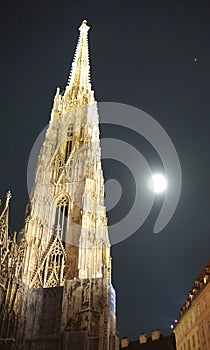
[51, 270]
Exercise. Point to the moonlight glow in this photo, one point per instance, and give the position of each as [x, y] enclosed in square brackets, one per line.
[159, 183]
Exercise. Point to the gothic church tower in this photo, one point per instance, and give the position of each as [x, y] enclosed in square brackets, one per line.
[65, 299]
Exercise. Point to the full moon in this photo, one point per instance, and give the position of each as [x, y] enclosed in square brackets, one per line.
[159, 183]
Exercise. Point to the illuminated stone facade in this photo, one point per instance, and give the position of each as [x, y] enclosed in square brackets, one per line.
[57, 291]
[193, 328]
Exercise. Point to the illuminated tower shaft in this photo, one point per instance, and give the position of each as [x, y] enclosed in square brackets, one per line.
[69, 301]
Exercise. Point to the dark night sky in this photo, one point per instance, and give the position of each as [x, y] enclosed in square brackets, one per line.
[142, 54]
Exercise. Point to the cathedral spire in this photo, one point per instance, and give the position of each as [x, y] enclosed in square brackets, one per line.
[78, 89]
[79, 76]
[60, 283]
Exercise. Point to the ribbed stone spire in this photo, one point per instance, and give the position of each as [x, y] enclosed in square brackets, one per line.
[78, 89]
[79, 75]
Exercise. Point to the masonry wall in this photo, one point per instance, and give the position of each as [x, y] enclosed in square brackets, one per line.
[43, 319]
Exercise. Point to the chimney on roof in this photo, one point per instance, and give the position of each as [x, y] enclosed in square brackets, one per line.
[142, 338]
[155, 334]
[124, 342]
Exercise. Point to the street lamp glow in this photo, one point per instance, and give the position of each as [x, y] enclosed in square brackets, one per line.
[159, 183]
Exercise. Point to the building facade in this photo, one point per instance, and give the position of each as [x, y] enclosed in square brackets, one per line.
[155, 341]
[56, 291]
[192, 330]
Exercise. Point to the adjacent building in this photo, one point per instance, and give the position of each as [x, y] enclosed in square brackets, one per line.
[192, 330]
[55, 275]
[155, 341]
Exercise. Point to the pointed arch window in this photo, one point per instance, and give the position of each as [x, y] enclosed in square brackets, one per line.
[57, 167]
[69, 141]
[70, 130]
[61, 218]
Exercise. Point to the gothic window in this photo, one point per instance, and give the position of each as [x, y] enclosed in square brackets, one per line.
[61, 218]
[70, 130]
[69, 141]
[68, 149]
[57, 167]
[85, 295]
